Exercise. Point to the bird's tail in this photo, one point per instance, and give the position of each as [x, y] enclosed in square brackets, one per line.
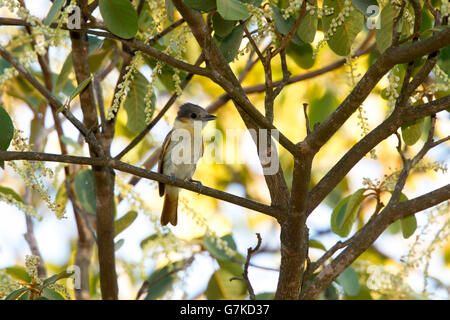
[170, 207]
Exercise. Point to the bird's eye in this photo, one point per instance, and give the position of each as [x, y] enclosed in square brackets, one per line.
[193, 115]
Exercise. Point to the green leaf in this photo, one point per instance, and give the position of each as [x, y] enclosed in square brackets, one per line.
[52, 294]
[342, 219]
[221, 288]
[341, 40]
[338, 212]
[80, 88]
[19, 273]
[54, 11]
[409, 226]
[118, 244]
[124, 222]
[321, 108]
[6, 132]
[216, 248]
[308, 27]
[383, 35]
[62, 275]
[349, 281]
[352, 208]
[16, 293]
[120, 17]
[284, 26]
[301, 54]
[229, 46]
[232, 10]
[162, 280]
[201, 5]
[412, 131]
[15, 195]
[85, 190]
[134, 104]
[316, 244]
[222, 27]
[362, 5]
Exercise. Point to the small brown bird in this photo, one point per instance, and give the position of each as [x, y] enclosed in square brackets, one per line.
[181, 150]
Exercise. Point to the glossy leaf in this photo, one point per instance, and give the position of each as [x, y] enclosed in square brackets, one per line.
[339, 211]
[62, 275]
[409, 226]
[411, 132]
[6, 131]
[284, 26]
[342, 220]
[134, 104]
[222, 27]
[362, 5]
[220, 287]
[216, 249]
[301, 54]
[120, 17]
[18, 273]
[341, 40]
[316, 244]
[79, 89]
[201, 5]
[229, 46]
[383, 35]
[308, 27]
[16, 293]
[232, 10]
[54, 11]
[349, 281]
[124, 222]
[321, 108]
[85, 190]
[52, 294]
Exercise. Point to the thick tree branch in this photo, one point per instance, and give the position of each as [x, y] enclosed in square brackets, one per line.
[391, 57]
[360, 149]
[369, 233]
[275, 212]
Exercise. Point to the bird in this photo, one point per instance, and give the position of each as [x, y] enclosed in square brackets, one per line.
[181, 150]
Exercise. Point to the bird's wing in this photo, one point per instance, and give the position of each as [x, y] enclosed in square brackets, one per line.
[161, 160]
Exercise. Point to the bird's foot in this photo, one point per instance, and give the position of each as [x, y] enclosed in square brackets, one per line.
[198, 183]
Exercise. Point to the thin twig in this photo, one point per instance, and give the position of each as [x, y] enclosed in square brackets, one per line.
[245, 278]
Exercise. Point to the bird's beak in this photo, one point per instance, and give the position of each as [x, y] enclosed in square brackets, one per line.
[209, 117]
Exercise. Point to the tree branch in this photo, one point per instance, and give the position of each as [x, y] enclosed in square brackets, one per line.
[275, 212]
